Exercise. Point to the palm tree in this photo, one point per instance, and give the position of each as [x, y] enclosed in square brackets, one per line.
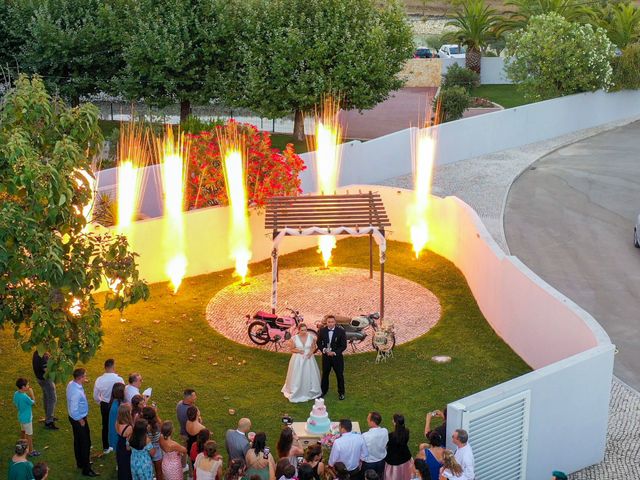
[523, 10]
[475, 25]
[621, 22]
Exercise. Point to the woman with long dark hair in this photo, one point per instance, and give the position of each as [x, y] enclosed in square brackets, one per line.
[124, 427]
[236, 469]
[193, 426]
[259, 460]
[288, 446]
[153, 432]
[198, 447]
[117, 398]
[398, 464]
[141, 451]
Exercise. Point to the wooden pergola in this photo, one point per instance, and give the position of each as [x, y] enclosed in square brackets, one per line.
[345, 214]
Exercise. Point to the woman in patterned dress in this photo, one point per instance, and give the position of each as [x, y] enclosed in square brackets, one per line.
[172, 454]
[141, 452]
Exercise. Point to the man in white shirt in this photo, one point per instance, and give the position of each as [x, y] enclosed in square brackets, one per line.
[133, 389]
[349, 448]
[102, 395]
[464, 454]
[376, 440]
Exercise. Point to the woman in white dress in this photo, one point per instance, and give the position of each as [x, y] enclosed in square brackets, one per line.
[303, 377]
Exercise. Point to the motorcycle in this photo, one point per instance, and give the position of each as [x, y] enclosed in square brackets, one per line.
[356, 330]
[265, 327]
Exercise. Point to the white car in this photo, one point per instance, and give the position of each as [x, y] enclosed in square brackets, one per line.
[636, 233]
[452, 51]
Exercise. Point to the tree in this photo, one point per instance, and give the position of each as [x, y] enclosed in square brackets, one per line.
[475, 26]
[15, 16]
[524, 10]
[75, 45]
[50, 265]
[293, 53]
[621, 21]
[554, 57]
[175, 57]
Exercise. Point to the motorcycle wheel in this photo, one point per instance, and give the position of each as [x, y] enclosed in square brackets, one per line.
[375, 347]
[258, 333]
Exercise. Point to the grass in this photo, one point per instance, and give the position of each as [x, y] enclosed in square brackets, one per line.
[169, 341]
[506, 95]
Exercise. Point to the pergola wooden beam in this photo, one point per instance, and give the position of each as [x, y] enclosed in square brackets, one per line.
[319, 214]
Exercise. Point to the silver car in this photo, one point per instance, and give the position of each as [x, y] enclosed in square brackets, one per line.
[636, 233]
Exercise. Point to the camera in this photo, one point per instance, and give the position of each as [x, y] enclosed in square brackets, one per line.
[287, 419]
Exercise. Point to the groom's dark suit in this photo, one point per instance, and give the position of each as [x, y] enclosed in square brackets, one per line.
[338, 345]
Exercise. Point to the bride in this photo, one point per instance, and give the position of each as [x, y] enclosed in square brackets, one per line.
[303, 376]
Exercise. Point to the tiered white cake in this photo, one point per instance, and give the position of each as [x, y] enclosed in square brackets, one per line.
[318, 421]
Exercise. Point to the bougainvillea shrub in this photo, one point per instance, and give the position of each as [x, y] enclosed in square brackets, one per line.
[270, 172]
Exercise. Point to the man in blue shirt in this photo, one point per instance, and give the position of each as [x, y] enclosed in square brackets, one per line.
[78, 409]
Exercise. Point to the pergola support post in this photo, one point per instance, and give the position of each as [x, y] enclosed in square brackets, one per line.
[370, 256]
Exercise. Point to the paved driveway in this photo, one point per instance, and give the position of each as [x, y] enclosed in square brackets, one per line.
[571, 221]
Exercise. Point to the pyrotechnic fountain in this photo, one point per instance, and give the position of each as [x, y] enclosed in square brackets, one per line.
[423, 151]
[327, 141]
[233, 152]
[172, 152]
[133, 156]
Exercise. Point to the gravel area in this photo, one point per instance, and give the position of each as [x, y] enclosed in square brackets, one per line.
[317, 292]
[484, 182]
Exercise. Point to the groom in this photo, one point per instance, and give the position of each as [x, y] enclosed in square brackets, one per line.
[332, 341]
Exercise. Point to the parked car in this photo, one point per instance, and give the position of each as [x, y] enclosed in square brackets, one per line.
[636, 233]
[452, 51]
[424, 52]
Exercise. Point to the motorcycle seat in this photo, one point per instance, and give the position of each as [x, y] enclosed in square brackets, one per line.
[265, 315]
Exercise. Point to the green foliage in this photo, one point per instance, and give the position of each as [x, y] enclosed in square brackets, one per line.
[196, 125]
[554, 57]
[620, 20]
[177, 55]
[626, 69]
[48, 261]
[458, 76]
[434, 41]
[475, 27]
[521, 11]
[15, 16]
[451, 103]
[292, 53]
[75, 45]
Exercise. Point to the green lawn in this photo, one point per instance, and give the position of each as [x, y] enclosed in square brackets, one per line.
[506, 95]
[169, 342]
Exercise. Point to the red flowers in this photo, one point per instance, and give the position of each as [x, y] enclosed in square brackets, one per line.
[269, 172]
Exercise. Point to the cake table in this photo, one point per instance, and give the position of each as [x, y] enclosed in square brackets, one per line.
[306, 438]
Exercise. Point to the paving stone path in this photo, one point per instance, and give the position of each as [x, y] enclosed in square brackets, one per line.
[317, 292]
[484, 182]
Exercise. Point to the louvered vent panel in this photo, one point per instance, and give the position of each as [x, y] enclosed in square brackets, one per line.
[498, 435]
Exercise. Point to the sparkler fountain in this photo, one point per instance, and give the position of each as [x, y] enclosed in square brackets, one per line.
[423, 150]
[327, 141]
[233, 152]
[172, 152]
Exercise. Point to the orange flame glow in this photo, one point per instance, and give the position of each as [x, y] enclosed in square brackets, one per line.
[235, 173]
[76, 307]
[172, 152]
[327, 140]
[133, 156]
[423, 153]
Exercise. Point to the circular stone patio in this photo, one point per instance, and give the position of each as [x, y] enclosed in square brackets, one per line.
[317, 292]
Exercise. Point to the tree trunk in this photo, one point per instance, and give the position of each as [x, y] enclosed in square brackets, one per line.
[298, 126]
[473, 59]
[75, 101]
[185, 110]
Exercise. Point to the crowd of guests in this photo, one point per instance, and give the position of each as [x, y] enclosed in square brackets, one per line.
[145, 448]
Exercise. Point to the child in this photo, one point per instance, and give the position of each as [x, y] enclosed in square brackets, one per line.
[24, 401]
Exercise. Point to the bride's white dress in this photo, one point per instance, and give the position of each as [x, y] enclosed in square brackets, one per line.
[303, 377]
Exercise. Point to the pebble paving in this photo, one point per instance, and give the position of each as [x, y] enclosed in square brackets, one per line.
[317, 292]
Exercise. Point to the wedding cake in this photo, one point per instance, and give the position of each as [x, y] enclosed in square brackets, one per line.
[318, 421]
